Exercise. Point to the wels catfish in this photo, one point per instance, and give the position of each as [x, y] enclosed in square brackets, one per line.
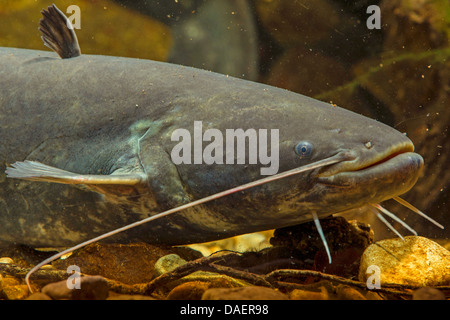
[101, 133]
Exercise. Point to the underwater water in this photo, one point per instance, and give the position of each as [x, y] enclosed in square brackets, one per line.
[397, 73]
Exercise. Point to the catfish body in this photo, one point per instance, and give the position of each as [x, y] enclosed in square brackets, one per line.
[101, 115]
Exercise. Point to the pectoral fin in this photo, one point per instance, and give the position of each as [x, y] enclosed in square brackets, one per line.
[130, 189]
[36, 171]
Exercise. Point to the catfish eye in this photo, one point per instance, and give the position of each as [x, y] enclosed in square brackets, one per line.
[303, 149]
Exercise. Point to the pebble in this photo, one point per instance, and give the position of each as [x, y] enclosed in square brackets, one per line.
[244, 293]
[91, 288]
[345, 292]
[192, 284]
[215, 280]
[6, 260]
[38, 296]
[415, 261]
[300, 294]
[192, 290]
[168, 263]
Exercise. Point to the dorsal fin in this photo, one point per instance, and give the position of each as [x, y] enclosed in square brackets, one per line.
[56, 33]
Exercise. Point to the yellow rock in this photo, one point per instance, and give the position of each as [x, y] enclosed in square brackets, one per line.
[345, 292]
[417, 261]
[168, 263]
[12, 289]
[18, 292]
[6, 260]
[192, 290]
[10, 281]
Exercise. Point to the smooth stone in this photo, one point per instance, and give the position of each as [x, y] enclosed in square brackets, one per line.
[244, 293]
[300, 294]
[416, 261]
[345, 292]
[192, 290]
[168, 263]
[91, 288]
[38, 296]
[6, 260]
[215, 280]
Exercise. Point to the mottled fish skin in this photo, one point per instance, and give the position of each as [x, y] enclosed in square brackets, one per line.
[103, 115]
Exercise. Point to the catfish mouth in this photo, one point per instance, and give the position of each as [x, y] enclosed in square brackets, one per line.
[397, 161]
